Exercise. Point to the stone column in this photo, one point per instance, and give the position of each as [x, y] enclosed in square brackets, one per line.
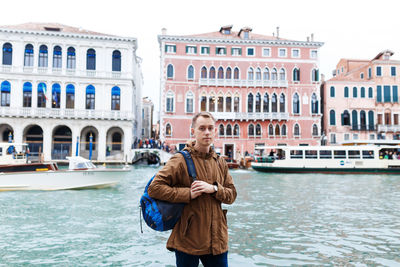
[101, 153]
[47, 142]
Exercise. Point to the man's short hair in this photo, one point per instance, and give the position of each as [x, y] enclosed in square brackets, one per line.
[203, 114]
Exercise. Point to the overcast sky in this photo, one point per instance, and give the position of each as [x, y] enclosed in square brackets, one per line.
[349, 28]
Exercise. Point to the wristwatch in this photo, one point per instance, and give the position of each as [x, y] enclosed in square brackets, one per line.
[215, 188]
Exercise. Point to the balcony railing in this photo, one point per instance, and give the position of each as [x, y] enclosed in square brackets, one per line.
[388, 128]
[250, 116]
[243, 83]
[65, 113]
[363, 127]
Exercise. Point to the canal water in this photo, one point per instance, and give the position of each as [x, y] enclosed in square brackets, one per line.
[277, 220]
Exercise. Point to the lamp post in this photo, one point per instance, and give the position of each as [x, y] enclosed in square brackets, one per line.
[77, 146]
[10, 137]
[90, 146]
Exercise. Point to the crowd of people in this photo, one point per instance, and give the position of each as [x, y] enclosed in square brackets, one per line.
[153, 143]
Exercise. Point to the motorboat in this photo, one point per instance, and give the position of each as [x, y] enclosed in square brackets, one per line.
[17, 173]
[328, 159]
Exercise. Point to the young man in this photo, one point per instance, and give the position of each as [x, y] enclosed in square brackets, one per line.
[202, 231]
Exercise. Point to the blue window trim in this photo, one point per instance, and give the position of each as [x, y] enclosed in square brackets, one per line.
[70, 89]
[5, 86]
[115, 91]
[42, 88]
[90, 89]
[27, 87]
[56, 88]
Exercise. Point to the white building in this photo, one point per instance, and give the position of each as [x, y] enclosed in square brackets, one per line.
[60, 85]
[147, 118]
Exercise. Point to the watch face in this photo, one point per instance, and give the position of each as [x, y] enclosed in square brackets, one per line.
[215, 188]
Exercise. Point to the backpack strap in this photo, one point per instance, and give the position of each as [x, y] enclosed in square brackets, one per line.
[189, 163]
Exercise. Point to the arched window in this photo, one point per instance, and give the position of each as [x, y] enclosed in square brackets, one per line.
[266, 74]
[28, 56]
[354, 92]
[282, 103]
[168, 129]
[296, 104]
[91, 59]
[189, 102]
[27, 94]
[271, 130]
[250, 74]
[284, 131]
[190, 73]
[315, 130]
[236, 73]
[220, 73]
[57, 57]
[70, 96]
[236, 130]
[43, 59]
[71, 58]
[315, 75]
[251, 130]
[266, 103]
[282, 74]
[250, 99]
[115, 98]
[7, 54]
[332, 118]
[236, 103]
[220, 103]
[212, 73]
[211, 103]
[41, 95]
[363, 120]
[116, 60]
[370, 92]
[314, 104]
[5, 93]
[346, 118]
[274, 74]
[354, 120]
[258, 102]
[221, 131]
[170, 71]
[229, 130]
[228, 73]
[362, 93]
[258, 74]
[55, 95]
[277, 130]
[371, 120]
[169, 107]
[116, 140]
[204, 73]
[258, 130]
[228, 103]
[274, 101]
[90, 96]
[296, 75]
[203, 102]
[346, 91]
[296, 130]
[332, 91]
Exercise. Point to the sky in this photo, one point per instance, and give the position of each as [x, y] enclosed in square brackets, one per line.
[357, 29]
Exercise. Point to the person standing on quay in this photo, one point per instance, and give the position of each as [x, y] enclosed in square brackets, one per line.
[202, 231]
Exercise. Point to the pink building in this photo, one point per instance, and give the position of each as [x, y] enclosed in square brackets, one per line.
[261, 89]
[361, 101]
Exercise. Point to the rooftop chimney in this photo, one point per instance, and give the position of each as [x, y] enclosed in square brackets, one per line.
[312, 37]
[308, 38]
[164, 31]
[277, 32]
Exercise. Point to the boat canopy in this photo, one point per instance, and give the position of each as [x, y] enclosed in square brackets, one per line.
[79, 163]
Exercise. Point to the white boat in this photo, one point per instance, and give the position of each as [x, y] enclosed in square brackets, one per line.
[17, 174]
[328, 159]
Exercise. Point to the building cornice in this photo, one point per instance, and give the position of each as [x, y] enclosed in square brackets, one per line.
[205, 40]
[70, 35]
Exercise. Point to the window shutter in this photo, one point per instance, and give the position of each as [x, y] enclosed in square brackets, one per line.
[240, 51]
[195, 50]
[187, 49]
[342, 117]
[298, 74]
[395, 95]
[379, 93]
[166, 48]
[216, 50]
[174, 48]
[231, 51]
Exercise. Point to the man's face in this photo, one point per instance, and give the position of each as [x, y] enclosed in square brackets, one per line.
[204, 131]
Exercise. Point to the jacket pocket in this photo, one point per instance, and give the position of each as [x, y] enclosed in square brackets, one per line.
[186, 223]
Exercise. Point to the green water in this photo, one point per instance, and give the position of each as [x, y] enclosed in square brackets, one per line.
[277, 220]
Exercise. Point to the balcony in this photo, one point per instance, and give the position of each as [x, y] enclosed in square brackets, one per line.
[388, 128]
[244, 116]
[363, 127]
[65, 113]
[243, 83]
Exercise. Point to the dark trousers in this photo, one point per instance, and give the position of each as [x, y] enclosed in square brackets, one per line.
[209, 260]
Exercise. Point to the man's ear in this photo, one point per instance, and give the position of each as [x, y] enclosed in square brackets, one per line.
[192, 131]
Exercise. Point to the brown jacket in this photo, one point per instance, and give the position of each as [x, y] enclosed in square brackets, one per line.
[202, 228]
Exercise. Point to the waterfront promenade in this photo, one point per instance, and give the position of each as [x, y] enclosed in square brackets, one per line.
[277, 220]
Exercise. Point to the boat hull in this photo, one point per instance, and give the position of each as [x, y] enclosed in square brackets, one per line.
[327, 170]
[61, 179]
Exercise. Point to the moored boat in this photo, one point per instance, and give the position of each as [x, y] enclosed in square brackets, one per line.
[328, 159]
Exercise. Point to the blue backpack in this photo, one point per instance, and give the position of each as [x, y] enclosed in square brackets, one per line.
[162, 215]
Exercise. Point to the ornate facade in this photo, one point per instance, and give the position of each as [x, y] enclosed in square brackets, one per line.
[261, 89]
[60, 85]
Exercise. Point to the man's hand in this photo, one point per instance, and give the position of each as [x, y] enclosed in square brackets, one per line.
[200, 187]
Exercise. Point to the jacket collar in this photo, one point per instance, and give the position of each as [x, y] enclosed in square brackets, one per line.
[190, 147]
